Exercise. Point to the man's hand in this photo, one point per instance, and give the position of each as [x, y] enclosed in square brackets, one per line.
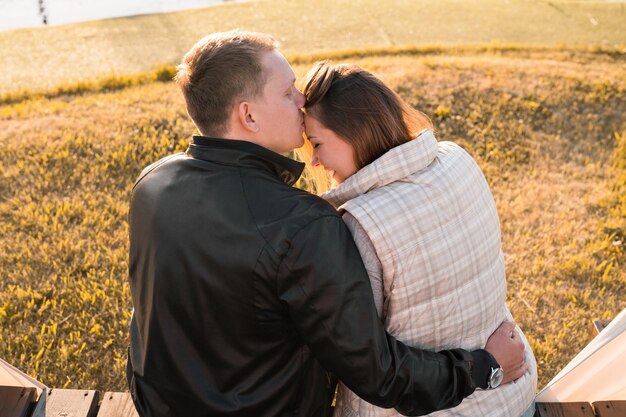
[506, 346]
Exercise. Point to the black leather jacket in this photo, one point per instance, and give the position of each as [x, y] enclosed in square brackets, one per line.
[248, 292]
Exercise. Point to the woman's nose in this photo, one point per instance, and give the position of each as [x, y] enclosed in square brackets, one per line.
[315, 160]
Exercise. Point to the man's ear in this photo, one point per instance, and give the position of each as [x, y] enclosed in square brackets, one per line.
[247, 117]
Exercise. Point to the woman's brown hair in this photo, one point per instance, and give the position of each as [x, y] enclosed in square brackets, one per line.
[360, 109]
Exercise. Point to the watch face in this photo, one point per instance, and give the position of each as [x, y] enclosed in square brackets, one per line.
[496, 377]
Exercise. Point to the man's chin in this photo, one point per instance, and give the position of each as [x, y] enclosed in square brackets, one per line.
[286, 147]
[298, 143]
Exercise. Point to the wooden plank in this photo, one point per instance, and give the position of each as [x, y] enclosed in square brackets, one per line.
[565, 410]
[16, 401]
[117, 404]
[610, 408]
[40, 407]
[597, 326]
[71, 403]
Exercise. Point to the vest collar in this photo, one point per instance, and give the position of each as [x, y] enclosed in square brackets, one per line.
[397, 163]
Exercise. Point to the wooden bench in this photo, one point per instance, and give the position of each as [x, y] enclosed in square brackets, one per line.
[19, 402]
[583, 409]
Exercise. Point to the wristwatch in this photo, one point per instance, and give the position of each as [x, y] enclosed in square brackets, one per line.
[495, 377]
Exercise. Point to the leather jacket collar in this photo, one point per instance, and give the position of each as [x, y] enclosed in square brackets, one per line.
[245, 154]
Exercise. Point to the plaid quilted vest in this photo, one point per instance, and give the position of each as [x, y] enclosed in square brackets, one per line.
[432, 219]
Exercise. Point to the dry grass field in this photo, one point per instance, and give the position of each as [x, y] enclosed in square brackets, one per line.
[535, 94]
[43, 58]
[547, 127]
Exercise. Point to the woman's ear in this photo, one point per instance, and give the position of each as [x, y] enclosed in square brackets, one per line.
[247, 117]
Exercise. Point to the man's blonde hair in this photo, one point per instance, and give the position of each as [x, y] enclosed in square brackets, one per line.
[220, 69]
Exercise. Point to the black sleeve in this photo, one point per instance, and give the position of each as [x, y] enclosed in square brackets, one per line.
[325, 285]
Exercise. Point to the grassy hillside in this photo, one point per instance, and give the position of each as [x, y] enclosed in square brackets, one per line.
[546, 125]
[45, 57]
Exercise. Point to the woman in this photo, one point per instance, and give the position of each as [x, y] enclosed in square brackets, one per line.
[425, 223]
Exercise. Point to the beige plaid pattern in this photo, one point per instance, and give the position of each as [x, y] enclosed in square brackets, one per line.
[431, 217]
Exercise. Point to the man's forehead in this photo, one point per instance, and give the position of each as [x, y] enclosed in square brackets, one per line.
[278, 68]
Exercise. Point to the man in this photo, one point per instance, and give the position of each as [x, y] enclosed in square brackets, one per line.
[248, 292]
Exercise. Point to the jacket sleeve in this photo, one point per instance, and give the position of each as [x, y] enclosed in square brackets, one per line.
[323, 282]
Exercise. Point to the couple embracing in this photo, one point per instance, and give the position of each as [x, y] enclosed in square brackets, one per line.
[255, 298]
